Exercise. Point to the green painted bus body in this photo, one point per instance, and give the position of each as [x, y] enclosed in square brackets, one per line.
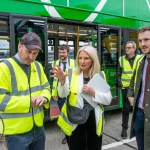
[124, 13]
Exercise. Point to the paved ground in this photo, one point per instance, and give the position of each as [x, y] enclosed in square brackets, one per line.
[111, 136]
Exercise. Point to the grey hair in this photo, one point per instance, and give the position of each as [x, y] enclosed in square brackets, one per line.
[133, 43]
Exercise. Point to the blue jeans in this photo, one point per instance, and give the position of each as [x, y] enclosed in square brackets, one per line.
[32, 140]
[139, 128]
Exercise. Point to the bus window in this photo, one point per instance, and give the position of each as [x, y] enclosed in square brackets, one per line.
[72, 35]
[4, 39]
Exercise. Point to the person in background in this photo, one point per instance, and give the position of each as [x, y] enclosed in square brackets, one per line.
[87, 136]
[126, 66]
[64, 62]
[139, 93]
[24, 93]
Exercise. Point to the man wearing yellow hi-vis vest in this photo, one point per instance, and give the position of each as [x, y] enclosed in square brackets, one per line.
[24, 93]
[65, 63]
[127, 64]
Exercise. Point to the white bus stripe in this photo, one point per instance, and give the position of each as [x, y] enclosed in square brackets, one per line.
[51, 9]
[148, 3]
[99, 7]
[115, 144]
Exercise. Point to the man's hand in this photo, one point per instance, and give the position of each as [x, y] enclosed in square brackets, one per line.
[131, 100]
[38, 101]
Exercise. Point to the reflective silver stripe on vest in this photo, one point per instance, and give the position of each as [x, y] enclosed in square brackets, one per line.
[3, 91]
[4, 102]
[54, 64]
[45, 86]
[70, 74]
[38, 70]
[26, 92]
[121, 62]
[127, 72]
[74, 63]
[37, 110]
[12, 115]
[65, 118]
[7, 97]
[127, 80]
[55, 79]
[13, 77]
[53, 88]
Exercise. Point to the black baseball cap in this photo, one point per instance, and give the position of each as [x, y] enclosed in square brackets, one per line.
[31, 41]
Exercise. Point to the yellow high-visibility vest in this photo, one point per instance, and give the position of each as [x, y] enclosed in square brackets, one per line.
[127, 70]
[138, 64]
[16, 91]
[63, 122]
[55, 81]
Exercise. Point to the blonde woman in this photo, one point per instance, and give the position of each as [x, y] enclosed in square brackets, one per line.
[87, 136]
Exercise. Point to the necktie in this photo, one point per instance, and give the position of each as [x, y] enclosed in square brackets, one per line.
[64, 65]
[146, 81]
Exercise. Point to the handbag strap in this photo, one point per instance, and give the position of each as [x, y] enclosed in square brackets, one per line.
[91, 102]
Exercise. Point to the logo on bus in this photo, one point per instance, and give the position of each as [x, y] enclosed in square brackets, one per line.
[97, 6]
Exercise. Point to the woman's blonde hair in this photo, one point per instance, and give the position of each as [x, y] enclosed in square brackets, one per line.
[91, 51]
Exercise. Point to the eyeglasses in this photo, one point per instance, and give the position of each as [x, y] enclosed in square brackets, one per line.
[129, 47]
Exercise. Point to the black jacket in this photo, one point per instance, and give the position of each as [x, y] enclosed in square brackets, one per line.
[147, 108]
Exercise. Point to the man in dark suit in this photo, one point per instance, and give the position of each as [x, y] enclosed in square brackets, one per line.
[139, 93]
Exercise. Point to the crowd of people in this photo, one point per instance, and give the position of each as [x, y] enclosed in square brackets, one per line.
[25, 92]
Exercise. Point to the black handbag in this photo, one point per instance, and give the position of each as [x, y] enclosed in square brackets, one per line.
[77, 115]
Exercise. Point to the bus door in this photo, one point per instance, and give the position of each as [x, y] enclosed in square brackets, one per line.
[19, 25]
[110, 47]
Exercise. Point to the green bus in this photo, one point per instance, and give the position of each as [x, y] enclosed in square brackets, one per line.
[105, 24]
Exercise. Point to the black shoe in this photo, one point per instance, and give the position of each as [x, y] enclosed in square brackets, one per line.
[124, 134]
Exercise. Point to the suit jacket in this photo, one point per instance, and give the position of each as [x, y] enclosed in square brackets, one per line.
[136, 94]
